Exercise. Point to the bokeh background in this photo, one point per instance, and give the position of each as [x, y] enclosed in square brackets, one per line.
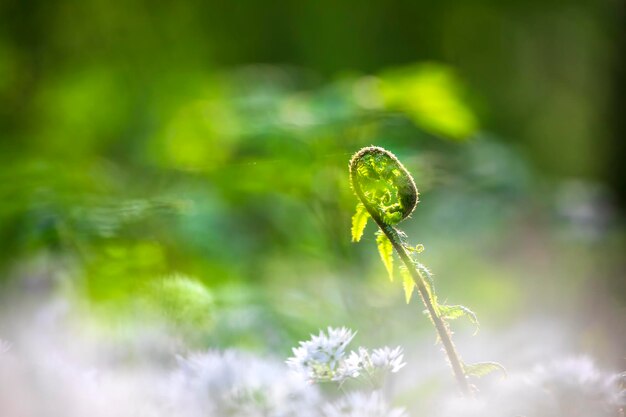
[184, 165]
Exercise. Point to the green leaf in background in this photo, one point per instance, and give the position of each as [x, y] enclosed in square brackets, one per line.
[386, 252]
[458, 311]
[359, 221]
[407, 283]
[183, 301]
[431, 94]
[483, 368]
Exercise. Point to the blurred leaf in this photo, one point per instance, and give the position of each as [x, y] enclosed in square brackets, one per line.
[199, 135]
[80, 106]
[431, 95]
[182, 300]
[117, 272]
[359, 221]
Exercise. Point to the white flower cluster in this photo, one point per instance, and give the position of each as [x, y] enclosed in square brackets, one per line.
[358, 404]
[323, 358]
[571, 387]
[53, 370]
[362, 361]
[319, 358]
[236, 384]
[576, 384]
[233, 383]
[4, 346]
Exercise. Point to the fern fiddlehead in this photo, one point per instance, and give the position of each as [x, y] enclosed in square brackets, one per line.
[387, 194]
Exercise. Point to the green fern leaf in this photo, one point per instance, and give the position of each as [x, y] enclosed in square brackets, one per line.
[385, 248]
[483, 368]
[359, 221]
[407, 283]
[458, 311]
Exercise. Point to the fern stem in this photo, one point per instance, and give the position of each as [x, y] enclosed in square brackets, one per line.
[407, 197]
[440, 325]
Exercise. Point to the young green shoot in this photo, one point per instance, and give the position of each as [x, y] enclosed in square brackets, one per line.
[387, 194]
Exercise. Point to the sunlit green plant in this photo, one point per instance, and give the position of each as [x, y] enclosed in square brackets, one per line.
[387, 194]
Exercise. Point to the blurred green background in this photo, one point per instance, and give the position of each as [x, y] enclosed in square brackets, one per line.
[186, 162]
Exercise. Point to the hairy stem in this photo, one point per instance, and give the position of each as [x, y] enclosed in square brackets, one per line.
[442, 328]
[401, 185]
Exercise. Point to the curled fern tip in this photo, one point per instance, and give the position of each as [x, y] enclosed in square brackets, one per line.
[383, 185]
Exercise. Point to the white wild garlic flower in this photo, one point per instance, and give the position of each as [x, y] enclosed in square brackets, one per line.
[388, 359]
[4, 346]
[361, 361]
[358, 404]
[578, 385]
[353, 365]
[233, 383]
[570, 387]
[323, 358]
[318, 358]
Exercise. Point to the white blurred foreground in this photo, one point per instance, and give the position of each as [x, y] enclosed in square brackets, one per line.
[51, 367]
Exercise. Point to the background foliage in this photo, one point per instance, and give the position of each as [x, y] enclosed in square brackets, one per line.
[186, 163]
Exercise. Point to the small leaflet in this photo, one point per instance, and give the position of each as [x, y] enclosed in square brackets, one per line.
[407, 283]
[385, 248]
[483, 368]
[359, 221]
[458, 311]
